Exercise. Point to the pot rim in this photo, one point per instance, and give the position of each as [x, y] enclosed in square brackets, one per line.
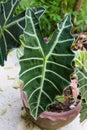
[53, 116]
[62, 115]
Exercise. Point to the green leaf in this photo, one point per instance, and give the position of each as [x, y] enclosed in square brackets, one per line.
[38, 11]
[81, 60]
[82, 80]
[10, 27]
[60, 99]
[83, 113]
[45, 67]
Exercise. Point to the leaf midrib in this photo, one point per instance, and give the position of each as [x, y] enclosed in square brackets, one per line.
[41, 85]
[45, 58]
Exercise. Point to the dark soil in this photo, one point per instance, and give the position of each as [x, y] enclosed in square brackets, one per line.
[67, 105]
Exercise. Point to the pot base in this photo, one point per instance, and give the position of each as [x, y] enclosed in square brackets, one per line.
[46, 124]
[52, 120]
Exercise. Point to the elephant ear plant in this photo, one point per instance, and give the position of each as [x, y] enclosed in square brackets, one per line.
[45, 66]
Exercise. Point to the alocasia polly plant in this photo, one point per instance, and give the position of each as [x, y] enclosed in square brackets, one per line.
[10, 27]
[46, 66]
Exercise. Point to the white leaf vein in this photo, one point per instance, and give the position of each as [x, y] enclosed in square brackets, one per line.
[54, 54]
[51, 62]
[33, 93]
[53, 85]
[58, 75]
[35, 33]
[47, 96]
[13, 5]
[33, 48]
[32, 58]
[65, 40]
[11, 35]
[27, 83]
[32, 68]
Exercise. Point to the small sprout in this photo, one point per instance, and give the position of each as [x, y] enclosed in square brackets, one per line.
[60, 99]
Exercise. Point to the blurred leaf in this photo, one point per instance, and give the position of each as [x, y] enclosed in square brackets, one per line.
[81, 60]
[82, 80]
[83, 113]
[3, 112]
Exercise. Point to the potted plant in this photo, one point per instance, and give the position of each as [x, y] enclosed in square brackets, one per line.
[50, 70]
[47, 70]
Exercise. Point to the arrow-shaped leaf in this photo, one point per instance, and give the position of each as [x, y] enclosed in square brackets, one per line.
[45, 67]
[10, 27]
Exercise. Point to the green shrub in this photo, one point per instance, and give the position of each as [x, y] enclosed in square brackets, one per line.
[55, 11]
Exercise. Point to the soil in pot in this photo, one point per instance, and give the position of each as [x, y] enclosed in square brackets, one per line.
[66, 103]
[59, 114]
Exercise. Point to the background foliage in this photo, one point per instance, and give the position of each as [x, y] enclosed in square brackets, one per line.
[55, 11]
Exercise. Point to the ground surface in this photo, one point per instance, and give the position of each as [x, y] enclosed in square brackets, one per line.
[11, 104]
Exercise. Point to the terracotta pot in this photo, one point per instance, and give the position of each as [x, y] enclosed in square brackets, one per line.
[52, 120]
